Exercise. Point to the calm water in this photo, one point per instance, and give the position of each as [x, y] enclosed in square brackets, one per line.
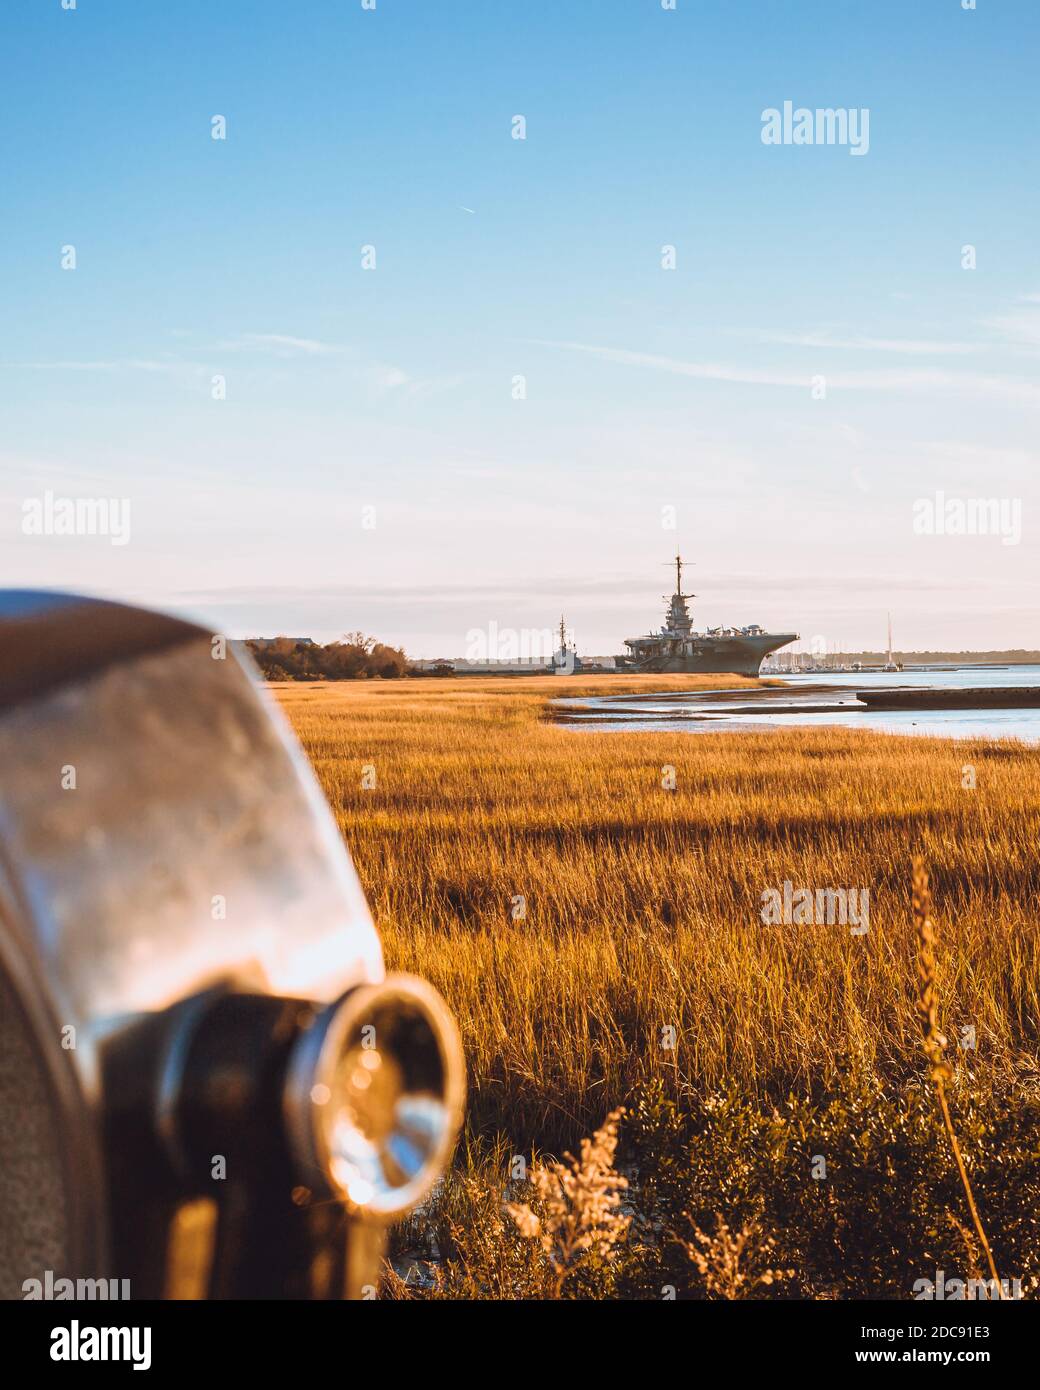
[809, 701]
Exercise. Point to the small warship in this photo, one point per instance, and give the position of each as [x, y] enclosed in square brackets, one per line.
[678, 648]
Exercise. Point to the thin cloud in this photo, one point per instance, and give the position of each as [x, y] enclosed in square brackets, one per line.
[387, 378]
[129, 364]
[702, 371]
[1022, 328]
[923, 347]
[626, 587]
[1022, 392]
[281, 344]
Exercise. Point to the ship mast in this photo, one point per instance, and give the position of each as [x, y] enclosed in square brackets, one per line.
[677, 616]
[678, 563]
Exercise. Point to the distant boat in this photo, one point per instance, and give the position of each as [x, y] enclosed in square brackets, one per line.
[891, 664]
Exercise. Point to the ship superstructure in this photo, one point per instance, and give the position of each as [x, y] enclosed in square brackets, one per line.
[677, 647]
[565, 659]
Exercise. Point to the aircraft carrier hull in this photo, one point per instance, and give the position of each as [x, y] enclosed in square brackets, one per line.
[741, 656]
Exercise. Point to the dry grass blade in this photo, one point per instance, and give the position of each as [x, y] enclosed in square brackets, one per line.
[934, 1042]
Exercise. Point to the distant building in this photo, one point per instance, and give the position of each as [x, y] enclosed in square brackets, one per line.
[525, 666]
[265, 642]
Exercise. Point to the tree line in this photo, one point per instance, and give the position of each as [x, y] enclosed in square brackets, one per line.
[356, 657]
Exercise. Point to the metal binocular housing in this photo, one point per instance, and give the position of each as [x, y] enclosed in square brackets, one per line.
[209, 1087]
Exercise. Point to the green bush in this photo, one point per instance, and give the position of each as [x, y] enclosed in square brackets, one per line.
[885, 1209]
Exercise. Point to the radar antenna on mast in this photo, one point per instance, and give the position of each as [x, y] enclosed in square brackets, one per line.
[678, 562]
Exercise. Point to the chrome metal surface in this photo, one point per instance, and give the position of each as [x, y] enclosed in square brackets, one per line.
[191, 800]
[375, 1096]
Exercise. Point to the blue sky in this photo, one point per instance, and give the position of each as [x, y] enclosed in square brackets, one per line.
[646, 388]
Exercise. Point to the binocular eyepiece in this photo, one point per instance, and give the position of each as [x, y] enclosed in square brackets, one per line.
[208, 1085]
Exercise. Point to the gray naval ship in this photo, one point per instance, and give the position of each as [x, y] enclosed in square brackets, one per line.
[678, 648]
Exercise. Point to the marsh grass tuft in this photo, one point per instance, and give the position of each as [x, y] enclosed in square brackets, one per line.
[575, 1213]
[733, 1264]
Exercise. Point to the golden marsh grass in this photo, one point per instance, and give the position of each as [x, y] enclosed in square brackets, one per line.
[642, 904]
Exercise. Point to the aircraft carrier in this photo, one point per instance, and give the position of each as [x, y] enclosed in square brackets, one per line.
[678, 648]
